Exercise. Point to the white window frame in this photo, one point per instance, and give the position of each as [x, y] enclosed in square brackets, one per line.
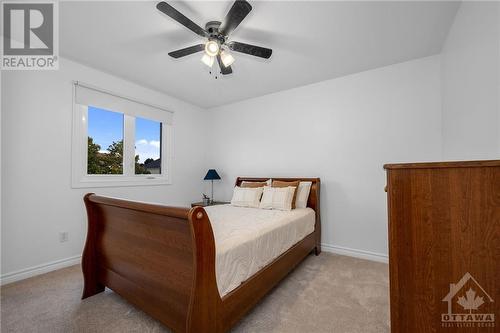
[80, 178]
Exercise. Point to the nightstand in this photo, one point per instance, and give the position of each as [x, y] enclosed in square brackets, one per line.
[201, 204]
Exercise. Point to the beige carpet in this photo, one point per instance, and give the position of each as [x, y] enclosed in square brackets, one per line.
[329, 293]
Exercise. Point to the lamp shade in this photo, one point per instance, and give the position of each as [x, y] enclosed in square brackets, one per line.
[212, 175]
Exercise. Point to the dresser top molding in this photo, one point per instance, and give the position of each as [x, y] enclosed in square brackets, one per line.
[437, 165]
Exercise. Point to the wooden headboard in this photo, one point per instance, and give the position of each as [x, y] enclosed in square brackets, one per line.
[314, 196]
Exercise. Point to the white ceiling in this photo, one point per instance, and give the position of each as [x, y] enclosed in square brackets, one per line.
[311, 42]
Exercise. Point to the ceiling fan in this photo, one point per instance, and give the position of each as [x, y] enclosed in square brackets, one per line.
[217, 45]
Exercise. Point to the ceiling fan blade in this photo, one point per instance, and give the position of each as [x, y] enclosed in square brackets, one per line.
[236, 14]
[179, 17]
[224, 70]
[187, 51]
[256, 51]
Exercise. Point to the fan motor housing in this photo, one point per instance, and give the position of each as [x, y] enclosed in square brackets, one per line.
[212, 28]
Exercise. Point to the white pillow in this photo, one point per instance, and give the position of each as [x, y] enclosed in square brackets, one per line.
[268, 182]
[246, 196]
[277, 198]
[302, 194]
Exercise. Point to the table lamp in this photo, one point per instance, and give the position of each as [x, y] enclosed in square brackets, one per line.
[212, 175]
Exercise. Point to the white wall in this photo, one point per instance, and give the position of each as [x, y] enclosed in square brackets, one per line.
[471, 83]
[38, 201]
[341, 130]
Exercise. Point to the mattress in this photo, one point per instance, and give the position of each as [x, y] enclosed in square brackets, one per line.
[247, 239]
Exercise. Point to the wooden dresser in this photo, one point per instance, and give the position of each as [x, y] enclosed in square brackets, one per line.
[444, 246]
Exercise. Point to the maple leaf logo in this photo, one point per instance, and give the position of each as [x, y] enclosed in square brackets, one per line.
[470, 301]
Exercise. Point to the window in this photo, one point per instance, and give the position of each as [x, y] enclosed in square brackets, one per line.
[105, 142]
[118, 141]
[147, 146]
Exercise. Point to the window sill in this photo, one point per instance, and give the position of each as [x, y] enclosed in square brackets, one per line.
[119, 181]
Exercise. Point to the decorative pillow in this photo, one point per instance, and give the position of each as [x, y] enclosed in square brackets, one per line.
[253, 184]
[279, 183]
[302, 194]
[280, 198]
[246, 197]
[246, 183]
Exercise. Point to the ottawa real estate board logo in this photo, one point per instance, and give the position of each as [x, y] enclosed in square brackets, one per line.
[469, 305]
[30, 35]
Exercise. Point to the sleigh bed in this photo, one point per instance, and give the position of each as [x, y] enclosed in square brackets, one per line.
[163, 260]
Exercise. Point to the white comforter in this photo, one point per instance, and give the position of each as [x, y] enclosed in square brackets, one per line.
[247, 239]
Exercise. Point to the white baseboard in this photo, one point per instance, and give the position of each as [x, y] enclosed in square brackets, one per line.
[362, 254]
[58, 264]
[39, 269]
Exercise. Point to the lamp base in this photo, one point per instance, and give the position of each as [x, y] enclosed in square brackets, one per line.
[212, 198]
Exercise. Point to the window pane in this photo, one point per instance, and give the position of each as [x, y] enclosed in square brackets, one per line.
[147, 146]
[105, 142]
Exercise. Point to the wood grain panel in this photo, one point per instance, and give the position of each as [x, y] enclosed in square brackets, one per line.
[144, 253]
[444, 221]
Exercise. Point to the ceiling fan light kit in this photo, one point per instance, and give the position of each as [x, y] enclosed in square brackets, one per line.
[212, 48]
[208, 60]
[227, 58]
[217, 34]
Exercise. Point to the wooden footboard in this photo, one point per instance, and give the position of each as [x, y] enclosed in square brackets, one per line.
[150, 255]
[162, 259]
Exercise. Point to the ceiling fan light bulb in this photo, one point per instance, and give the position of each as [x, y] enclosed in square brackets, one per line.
[212, 48]
[207, 60]
[227, 58]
